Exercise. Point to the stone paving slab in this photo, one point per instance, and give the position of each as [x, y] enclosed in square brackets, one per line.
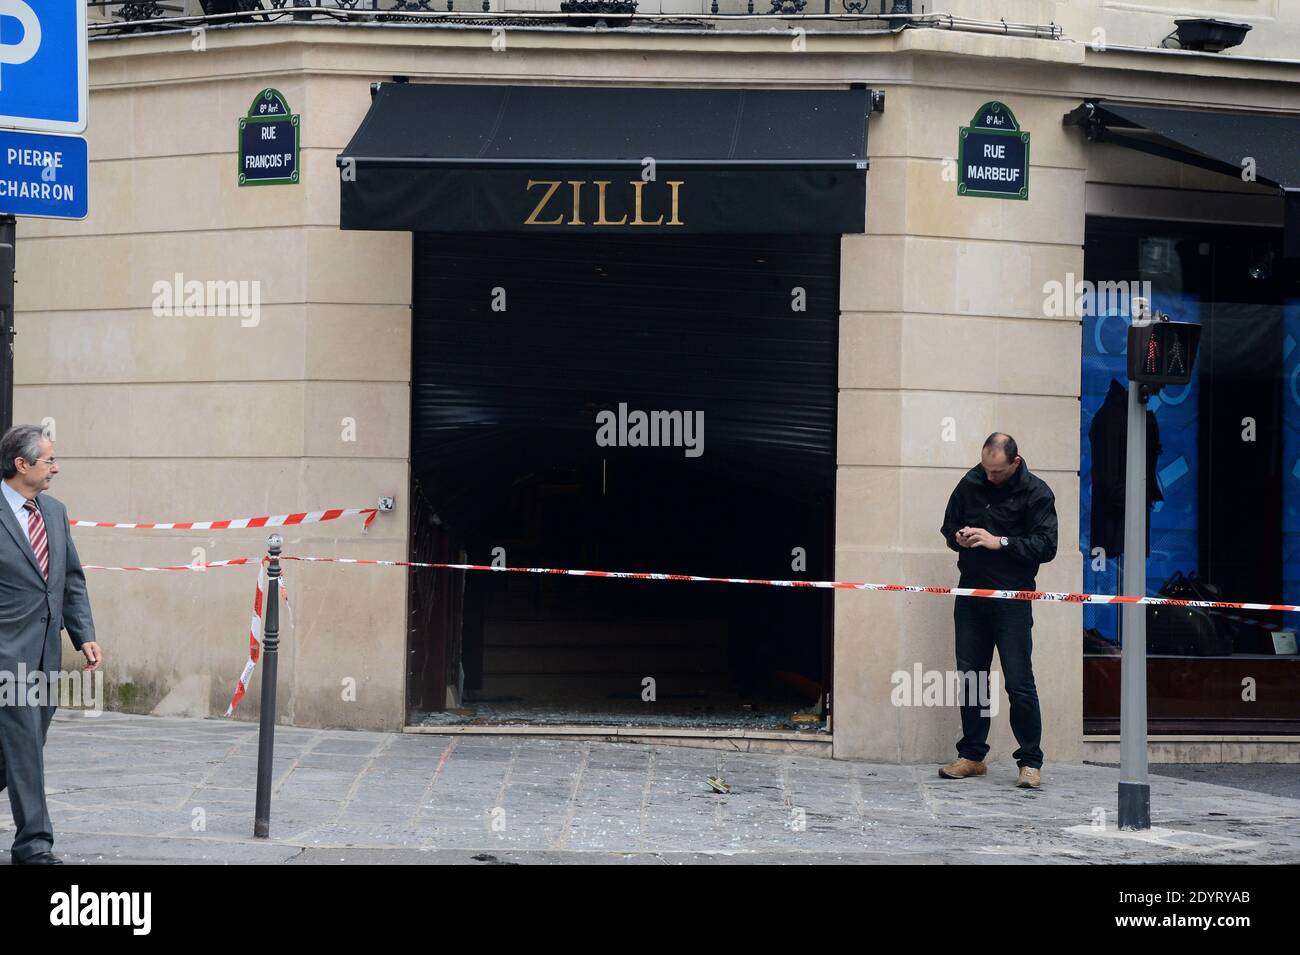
[153, 790]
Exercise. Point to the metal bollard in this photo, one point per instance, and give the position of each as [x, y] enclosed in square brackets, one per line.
[270, 668]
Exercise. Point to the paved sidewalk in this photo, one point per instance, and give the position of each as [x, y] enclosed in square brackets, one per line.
[150, 790]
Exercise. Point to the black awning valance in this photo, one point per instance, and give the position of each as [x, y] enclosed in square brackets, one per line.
[447, 158]
[1266, 144]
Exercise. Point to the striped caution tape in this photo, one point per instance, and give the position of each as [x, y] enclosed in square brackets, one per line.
[255, 632]
[201, 565]
[242, 523]
[1036, 595]
[255, 626]
[254, 641]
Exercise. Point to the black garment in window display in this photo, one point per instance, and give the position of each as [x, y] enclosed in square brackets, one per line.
[1108, 437]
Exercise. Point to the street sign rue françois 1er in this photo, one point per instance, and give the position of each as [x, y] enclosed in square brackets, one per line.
[268, 142]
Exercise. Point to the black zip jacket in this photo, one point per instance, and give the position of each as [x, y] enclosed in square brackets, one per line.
[1023, 510]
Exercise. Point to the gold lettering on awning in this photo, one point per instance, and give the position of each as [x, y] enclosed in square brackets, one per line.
[574, 216]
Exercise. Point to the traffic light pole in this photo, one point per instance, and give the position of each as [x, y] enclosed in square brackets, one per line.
[8, 238]
[1134, 789]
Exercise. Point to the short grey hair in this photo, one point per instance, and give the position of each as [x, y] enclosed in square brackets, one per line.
[20, 441]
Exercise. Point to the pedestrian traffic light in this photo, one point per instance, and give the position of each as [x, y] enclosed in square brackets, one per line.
[1162, 352]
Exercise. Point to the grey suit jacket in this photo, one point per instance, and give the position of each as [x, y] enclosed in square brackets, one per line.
[32, 609]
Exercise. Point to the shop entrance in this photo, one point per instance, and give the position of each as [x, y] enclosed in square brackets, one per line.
[534, 359]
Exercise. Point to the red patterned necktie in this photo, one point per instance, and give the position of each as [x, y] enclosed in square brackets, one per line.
[36, 533]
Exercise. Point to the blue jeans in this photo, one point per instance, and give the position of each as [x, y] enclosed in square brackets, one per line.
[983, 623]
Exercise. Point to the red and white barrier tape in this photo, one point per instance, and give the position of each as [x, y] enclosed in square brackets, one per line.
[255, 627]
[233, 562]
[1043, 595]
[254, 641]
[241, 523]
[255, 633]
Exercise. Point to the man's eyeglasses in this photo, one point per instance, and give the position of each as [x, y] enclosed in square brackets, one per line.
[50, 461]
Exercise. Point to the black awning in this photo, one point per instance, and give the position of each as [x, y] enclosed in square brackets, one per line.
[1220, 141]
[448, 158]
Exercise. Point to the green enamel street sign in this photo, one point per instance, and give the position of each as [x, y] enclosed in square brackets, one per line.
[993, 155]
[268, 142]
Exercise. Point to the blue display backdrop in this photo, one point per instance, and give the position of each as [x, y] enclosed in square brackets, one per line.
[1173, 520]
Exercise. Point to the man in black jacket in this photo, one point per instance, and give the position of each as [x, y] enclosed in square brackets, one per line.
[1001, 521]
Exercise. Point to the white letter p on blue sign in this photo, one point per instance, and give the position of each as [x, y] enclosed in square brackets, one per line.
[43, 78]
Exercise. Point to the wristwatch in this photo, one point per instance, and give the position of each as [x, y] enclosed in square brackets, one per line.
[1004, 541]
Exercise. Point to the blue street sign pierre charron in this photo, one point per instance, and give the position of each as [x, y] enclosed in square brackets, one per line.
[43, 175]
[43, 76]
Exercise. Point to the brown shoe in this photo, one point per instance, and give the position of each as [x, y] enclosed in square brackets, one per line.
[962, 768]
[1029, 778]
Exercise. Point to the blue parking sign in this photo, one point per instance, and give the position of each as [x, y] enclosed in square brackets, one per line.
[43, 81]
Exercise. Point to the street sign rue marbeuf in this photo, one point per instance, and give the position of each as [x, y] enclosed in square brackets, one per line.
[268, 141]
[993, 155]
[43, 93]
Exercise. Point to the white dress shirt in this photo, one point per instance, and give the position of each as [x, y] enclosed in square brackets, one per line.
[18, 504]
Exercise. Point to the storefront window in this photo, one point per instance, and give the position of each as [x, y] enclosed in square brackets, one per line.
[1223, 474]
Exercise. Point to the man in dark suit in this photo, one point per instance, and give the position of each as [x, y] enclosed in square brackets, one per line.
[42, 591]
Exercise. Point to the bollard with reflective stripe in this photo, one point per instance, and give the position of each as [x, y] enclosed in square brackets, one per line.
[270, 667]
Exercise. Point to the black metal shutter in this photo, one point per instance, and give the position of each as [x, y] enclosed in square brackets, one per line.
[659, 322]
